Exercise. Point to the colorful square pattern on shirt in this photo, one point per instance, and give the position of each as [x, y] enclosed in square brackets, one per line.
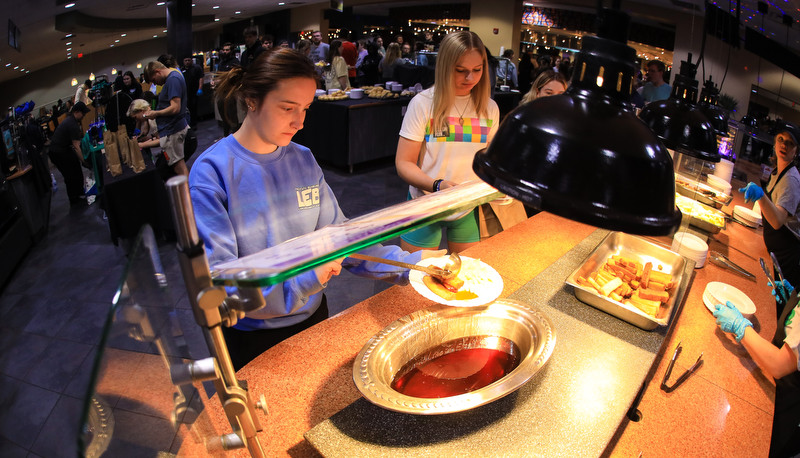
[474, 130]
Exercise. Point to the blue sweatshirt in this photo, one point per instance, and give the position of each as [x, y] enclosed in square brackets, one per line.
[245, 202]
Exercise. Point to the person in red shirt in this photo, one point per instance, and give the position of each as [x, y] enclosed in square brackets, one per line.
[350, 55]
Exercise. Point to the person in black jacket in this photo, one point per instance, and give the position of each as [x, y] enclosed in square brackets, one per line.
[65, 152]
[253, 46]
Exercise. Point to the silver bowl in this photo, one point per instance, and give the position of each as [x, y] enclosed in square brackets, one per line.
[410, 336]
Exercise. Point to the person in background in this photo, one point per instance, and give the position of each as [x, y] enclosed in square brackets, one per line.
[492, 69]
[304, 46]
[193, 75]
[361, 50]
[547, 83]
[168, 60]
[637, 101]
[381, 49]
[390, 61]
[419, 57]
[780, 359]
[65, 152]
[406, 54]
[82, 93]
[256, 189]
[337, 76]
[506, 70]
[227, 59]
[148, 138]
[267, 41]
[399, 39]
[253, 46]
[525, 70]
[319, 50]
[428, 42]
[780, 204]
[130, 86]
[370, 66]
[443, 128]
[349, 52]
[655, 88]
[284, 44]
[170, 113]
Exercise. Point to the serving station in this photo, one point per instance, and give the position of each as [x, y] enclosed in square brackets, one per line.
[598, 393]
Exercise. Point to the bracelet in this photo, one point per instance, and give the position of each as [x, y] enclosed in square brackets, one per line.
[437, 184]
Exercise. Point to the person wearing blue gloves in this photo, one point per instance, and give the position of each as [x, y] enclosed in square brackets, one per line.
[779, 358]
[780, 204]
[255, 189]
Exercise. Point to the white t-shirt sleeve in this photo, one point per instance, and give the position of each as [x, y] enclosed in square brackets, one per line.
[417, 118]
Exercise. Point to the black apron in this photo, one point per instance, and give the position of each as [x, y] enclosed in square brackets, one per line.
[786, 419]
[783, 243]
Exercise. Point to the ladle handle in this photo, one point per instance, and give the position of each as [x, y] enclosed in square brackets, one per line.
[428, 270]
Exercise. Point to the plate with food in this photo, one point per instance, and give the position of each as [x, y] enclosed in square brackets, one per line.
[477, 283]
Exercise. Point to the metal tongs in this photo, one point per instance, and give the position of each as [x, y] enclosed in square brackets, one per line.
[722, 261]
[684, 376]
[778, 272]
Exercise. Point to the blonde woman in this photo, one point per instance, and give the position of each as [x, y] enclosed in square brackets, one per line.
[390, 61]
[148, 130]
[443, 128]
[548, 82]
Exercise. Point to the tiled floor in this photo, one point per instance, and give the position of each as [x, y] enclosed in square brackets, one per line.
[53, 307]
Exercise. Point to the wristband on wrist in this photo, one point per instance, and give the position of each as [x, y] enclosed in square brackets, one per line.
[437, 184]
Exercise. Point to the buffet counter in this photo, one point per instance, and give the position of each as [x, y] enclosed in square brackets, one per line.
[724, 408]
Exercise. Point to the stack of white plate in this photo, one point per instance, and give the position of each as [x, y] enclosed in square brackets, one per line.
[720, 293]
[719, 184]
[692, 247]
[747, 216]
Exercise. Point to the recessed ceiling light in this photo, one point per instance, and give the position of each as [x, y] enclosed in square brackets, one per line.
[215, 7]
[116, 41]
[16, 67]
[124, 35]
[281, 3]
[67, 35]
[69, 49]
[216, 19]
[111, 46]
[165, 30]
[8, 65]
[69, 5]
[161, 3]
[22, 69]
[237, 12]
[155, 36]
[68, 43]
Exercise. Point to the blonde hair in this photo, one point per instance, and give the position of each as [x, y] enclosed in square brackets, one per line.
[541, 81]
[453, 47]
[392, 54]
[138, 106]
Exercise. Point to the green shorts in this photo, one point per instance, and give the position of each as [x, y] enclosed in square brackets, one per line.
[462, 230]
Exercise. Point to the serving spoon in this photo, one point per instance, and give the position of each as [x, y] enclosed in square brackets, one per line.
[450, 270]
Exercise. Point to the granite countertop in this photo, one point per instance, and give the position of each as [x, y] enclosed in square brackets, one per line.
[725, 408]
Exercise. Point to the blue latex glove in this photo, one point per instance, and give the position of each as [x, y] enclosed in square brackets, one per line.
[752, 192]
[199, 92]
[782, 290]
[730, 319]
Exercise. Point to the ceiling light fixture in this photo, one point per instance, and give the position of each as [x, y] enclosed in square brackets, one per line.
[74, 82]
[161, 3]
[124, 35]
[583, 154]
[116, 41]
[69, 5]
[215, 7]
[237, 12]
[67, 35]
[68, 43]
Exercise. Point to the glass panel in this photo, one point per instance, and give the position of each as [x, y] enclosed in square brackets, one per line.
[132, 408]
[281, 262]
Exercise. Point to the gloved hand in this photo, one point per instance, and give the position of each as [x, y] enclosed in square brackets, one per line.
[752, 192]
[782, 290]
[199, 92]
[730, 319]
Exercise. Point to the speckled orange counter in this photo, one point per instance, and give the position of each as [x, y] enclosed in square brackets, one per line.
[724, 409]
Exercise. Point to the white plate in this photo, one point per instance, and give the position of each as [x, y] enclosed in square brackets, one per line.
[488, 284]
[720, 293]
[746, 214]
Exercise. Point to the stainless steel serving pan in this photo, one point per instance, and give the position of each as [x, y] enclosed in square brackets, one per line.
[629, 246]
[389, 350]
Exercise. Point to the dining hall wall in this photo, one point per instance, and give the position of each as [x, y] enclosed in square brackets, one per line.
[47, 85]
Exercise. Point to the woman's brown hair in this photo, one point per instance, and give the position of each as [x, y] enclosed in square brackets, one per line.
[263, 75]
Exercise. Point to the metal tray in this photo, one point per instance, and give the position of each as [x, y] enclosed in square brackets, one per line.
[701, 192]
[699, 223]
[629, 246]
